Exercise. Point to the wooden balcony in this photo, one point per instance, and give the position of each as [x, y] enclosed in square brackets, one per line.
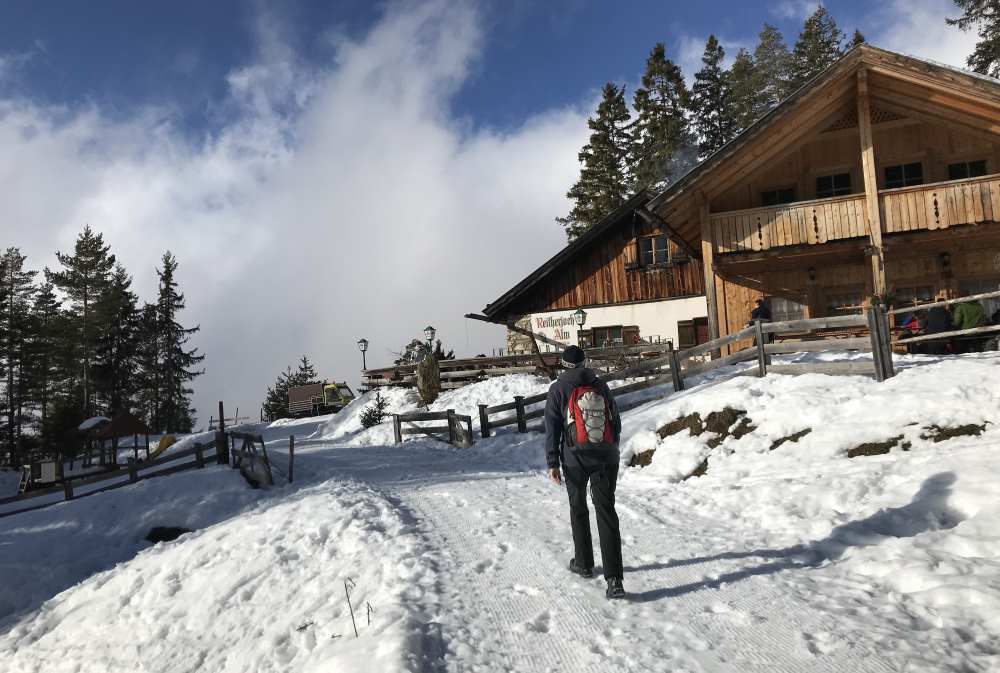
[934, 206]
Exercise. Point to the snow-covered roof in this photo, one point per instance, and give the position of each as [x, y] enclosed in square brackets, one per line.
[93, 422]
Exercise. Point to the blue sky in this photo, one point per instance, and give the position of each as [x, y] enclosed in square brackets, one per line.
[330, 171]
[535, 55]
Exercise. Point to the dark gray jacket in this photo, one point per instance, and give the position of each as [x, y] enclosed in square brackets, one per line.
[555, 420]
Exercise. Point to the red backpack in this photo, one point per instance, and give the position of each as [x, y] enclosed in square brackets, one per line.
[588, 418]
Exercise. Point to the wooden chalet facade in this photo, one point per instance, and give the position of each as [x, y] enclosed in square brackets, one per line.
[879, 178]
[634, 283]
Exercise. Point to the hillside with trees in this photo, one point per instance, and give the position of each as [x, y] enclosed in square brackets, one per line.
[76, 342]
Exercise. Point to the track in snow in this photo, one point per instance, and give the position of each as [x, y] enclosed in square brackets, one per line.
[697, 601]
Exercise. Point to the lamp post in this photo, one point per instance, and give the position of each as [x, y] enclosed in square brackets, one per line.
[363, 347]
[579, 317]
[429, 333]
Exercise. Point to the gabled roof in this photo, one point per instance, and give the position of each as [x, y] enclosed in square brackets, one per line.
[904, 84]
[622, 213]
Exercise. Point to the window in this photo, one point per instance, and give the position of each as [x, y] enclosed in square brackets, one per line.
[908, 296]
[967, 169]
[904, 175]
[833, 185]
[608, 337]
[776, 197]
[653, 250]
[844, 302]
[783, 309]
[979, 287]
[690, 333]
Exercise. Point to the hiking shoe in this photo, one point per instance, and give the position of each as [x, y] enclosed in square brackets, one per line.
[615, 588]
[574, 567]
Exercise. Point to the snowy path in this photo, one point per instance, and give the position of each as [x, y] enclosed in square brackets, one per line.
[500, 542]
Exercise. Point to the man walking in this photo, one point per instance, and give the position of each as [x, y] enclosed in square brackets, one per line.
[582, 430]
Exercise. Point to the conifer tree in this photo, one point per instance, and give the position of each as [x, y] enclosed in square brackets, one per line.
[116, 351]
[710, 100]
[83, 279]
[819, 45]
[177, 362]
[661, 135]
[276, 399]
[148, 353]
[46, 361]
[16, 294]
[856, 39]
[771, 65]
[305, 374]
[605, 180]
[984, 16]
[746, 103]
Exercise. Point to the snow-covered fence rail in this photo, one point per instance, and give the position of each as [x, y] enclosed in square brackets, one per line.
[677, 366]
[458, 428]
[73, 488]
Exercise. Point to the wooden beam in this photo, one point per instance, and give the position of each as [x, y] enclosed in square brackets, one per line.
[656, 221]
[871, 186]
[708, 266]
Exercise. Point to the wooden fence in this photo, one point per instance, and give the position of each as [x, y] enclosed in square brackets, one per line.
[79, 487]
[677, 366]
[252, 462]
[457, 430]
[952, 334]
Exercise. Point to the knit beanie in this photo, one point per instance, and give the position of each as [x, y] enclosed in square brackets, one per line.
[573, 357]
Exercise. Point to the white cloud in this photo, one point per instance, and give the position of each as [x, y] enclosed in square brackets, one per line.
[794, 9]
[335, 203]
[918, 27]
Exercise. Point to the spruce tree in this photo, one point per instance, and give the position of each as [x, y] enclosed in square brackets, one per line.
[746, 103]
[116, 353]
[305, 374]
[984, 16]
[856, 39]
[661, 135]
[771, 64]
[46, 360]
[83, 279]
[177, 362]
[16, 294]
[605, 179]
[148, 353]
[276, 399]
[710, 100]
[819, 45]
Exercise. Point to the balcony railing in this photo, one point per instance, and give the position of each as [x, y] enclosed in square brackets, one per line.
[805, 222]
[935, 206]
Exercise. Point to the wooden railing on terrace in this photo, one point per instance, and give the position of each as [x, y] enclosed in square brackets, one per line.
[941, 205]
[805, 222]
[935, 206]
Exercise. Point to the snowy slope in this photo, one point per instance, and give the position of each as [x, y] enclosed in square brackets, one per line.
[792, 559]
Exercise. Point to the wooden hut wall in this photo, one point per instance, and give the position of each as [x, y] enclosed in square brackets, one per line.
[598, 276]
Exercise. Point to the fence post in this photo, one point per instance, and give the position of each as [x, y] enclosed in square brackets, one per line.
[484, 421]
[758, 330]
[522, 424]
[451, 427]
[199, 456]
[876, 339]
[133, 473]
[397, 428]
[883, 315]
[675, 368]
[291, 457]
[68, 489]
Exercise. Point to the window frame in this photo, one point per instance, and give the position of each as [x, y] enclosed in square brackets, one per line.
[967, 165]
[834, 190]
[904, 180]
[779, 194]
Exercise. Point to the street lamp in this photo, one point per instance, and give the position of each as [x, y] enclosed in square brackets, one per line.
[579, 317]
[429, 332]
[363, 347]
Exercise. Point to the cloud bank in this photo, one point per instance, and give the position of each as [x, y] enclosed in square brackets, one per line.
[333, 203]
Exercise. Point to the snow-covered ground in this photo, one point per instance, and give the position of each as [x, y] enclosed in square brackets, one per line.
[792, 559]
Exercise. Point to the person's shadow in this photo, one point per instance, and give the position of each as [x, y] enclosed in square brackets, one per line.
[927, 511]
